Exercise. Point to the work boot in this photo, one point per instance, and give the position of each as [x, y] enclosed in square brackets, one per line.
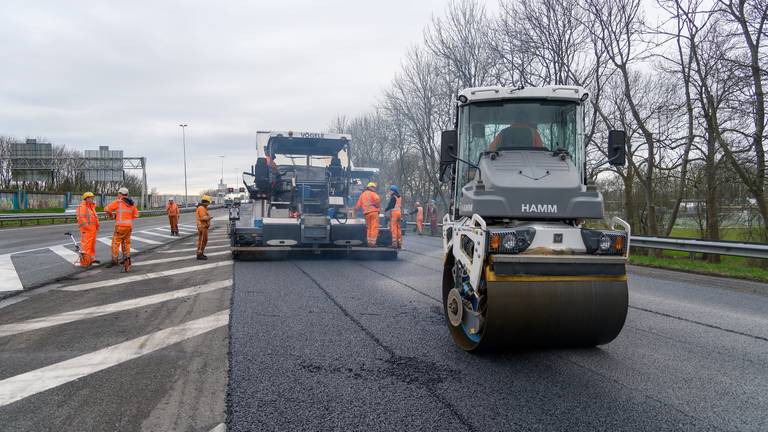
[202, 257]
[114, 261]
[95, 262]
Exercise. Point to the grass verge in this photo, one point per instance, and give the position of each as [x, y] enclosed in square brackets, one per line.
[729, 266]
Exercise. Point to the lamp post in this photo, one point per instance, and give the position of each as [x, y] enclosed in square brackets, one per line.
[184, 145]
[222, 169]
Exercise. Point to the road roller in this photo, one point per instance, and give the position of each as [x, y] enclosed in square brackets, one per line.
[529, 258]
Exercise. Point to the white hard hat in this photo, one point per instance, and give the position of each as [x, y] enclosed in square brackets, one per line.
[171, 199]
[123, 190]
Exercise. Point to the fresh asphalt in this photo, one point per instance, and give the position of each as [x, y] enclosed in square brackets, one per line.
[361, 345]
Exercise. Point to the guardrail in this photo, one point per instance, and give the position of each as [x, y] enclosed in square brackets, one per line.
[51, 218]
[720, 247]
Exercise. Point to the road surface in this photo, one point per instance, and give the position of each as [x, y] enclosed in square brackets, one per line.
[361, 345]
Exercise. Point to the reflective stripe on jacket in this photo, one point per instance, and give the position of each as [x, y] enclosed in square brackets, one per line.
[369, 201]
[86, 216]
[124, 214]
[172, 209]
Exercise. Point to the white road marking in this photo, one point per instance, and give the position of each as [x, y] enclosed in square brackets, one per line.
[108, 241]
[156, 234]
[134, 278]
[144, 240]
[194, 227]
[9, 279]
[27, 384]
[221, 427]
[67, 317]
[213, 241]
[166, 260]
[13, 300]
[68, 254]
[190, 249]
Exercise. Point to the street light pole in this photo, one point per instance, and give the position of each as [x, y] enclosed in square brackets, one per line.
[184, 145]
[222, 169]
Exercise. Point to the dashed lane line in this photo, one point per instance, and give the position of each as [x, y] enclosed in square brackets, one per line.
[167, 260]
[67, 317]
[30, 383]
[190, 249]
[134, 278]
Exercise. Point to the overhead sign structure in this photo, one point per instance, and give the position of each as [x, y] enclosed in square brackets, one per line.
[32, 161]
[104, 165]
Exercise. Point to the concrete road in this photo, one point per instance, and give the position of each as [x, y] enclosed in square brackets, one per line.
[33, 256]
[181, 344]
[110, 351]
[350, 345]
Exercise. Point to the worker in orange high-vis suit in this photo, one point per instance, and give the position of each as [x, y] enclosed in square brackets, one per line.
[395, 214]
[88, 222]
[419, 210]
[172, 209]
[370, 202]
[203, 223]
[123, 211]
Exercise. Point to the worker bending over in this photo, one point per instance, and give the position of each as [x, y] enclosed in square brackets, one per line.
[370, 202]
[123, 211]
[172, 209]
[88, 222]
[203, 223]
[393, 210]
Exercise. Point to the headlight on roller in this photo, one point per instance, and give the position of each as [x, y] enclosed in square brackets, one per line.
[510, 241]
[599, 242]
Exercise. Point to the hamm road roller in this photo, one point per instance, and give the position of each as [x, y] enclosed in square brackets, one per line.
[521, 266]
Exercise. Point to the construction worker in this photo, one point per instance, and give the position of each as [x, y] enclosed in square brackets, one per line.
[124, 211]
[522, 134]
[419, 210]
[89, 227]
[395, 214]
[172, 209]
[370, 202]
[203, 223]
[432, 216]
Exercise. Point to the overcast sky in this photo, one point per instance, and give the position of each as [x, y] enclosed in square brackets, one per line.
[126, 73]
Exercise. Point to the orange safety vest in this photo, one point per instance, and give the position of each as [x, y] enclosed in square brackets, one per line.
[398, 200]
[172, 209]
[201, 215]
[420, 212]
[124, 214]
[86, 216]
[369, 201]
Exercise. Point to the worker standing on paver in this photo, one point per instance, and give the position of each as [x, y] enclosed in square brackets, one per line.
[124, 211]
[419, 210]
[432, 216]
[88, 222]
[173, 216]
[203, 223]
[370, 202]
[394, 211]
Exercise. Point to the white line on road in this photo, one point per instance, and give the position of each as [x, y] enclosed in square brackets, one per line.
[13, 300]
[144, 240]
[39, 380]
[191, 249]
[221, 427]
[68, 254]
[166, 260]
[134, 278]
[9, 279]
[67, 317]
[108, 241]
[156, 234]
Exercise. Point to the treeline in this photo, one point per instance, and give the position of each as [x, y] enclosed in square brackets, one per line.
[66, 177]
[687, 86]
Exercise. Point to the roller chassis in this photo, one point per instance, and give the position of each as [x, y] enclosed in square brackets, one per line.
[487, 296]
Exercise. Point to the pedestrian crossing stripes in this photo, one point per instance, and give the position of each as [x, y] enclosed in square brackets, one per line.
[134, 278]
[186, 250]
[167, 260]
[108, 241]
[153, 233]
[27, 384]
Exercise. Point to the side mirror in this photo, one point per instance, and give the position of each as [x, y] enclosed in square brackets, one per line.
[617, 147]
[448, 141]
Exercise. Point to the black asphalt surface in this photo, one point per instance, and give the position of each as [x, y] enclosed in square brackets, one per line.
[362, 345]
[180, 387]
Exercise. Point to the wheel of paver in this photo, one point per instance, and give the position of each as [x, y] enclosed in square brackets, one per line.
[533, 311]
